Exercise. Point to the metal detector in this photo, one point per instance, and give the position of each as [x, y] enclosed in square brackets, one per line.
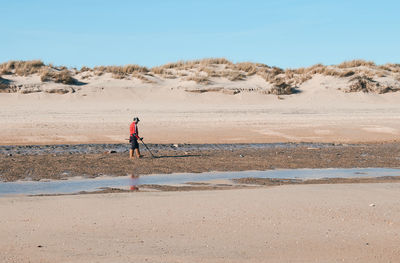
[152, 155]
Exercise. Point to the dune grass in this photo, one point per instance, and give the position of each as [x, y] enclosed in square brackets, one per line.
[367, 85]
[199, 79]
[360, 73]
[119, 72]
[63, 76]
[21, 68]
[356, 63]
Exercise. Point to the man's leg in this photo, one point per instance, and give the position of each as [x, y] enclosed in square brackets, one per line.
[131, 154]
[138, 153]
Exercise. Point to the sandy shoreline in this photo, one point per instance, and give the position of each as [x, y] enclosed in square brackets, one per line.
[341, 220]
[303, 223]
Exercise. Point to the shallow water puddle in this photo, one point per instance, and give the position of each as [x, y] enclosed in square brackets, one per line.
[76, 185]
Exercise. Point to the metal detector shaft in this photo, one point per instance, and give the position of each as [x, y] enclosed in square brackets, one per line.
[148, 149]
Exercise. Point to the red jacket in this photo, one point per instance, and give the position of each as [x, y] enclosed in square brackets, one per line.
[134, 130]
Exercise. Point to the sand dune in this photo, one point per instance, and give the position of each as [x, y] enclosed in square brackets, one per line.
[201, 101]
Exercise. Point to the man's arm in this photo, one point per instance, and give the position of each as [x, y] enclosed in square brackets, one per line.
[136, 134]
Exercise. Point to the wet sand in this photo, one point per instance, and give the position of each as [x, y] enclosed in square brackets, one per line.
[56, 162]
[242, 183]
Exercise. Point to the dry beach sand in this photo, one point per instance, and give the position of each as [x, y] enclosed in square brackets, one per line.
[304, 223]
[208, 101]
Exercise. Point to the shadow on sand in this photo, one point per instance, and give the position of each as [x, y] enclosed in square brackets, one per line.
[176, 156]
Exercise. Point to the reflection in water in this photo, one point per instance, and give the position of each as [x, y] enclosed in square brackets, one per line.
[133, 182]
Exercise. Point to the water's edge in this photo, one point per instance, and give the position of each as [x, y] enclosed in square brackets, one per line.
[76, 185]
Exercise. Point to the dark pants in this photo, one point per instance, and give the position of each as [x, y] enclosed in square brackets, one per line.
[134, 143]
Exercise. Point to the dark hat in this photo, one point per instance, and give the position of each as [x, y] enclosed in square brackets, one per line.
[136, 119]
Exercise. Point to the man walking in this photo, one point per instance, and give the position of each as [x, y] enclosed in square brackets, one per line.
[133, 139]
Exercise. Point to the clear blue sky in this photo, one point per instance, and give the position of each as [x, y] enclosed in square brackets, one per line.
[284, 33]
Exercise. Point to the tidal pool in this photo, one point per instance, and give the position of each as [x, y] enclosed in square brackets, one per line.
[76, 185]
